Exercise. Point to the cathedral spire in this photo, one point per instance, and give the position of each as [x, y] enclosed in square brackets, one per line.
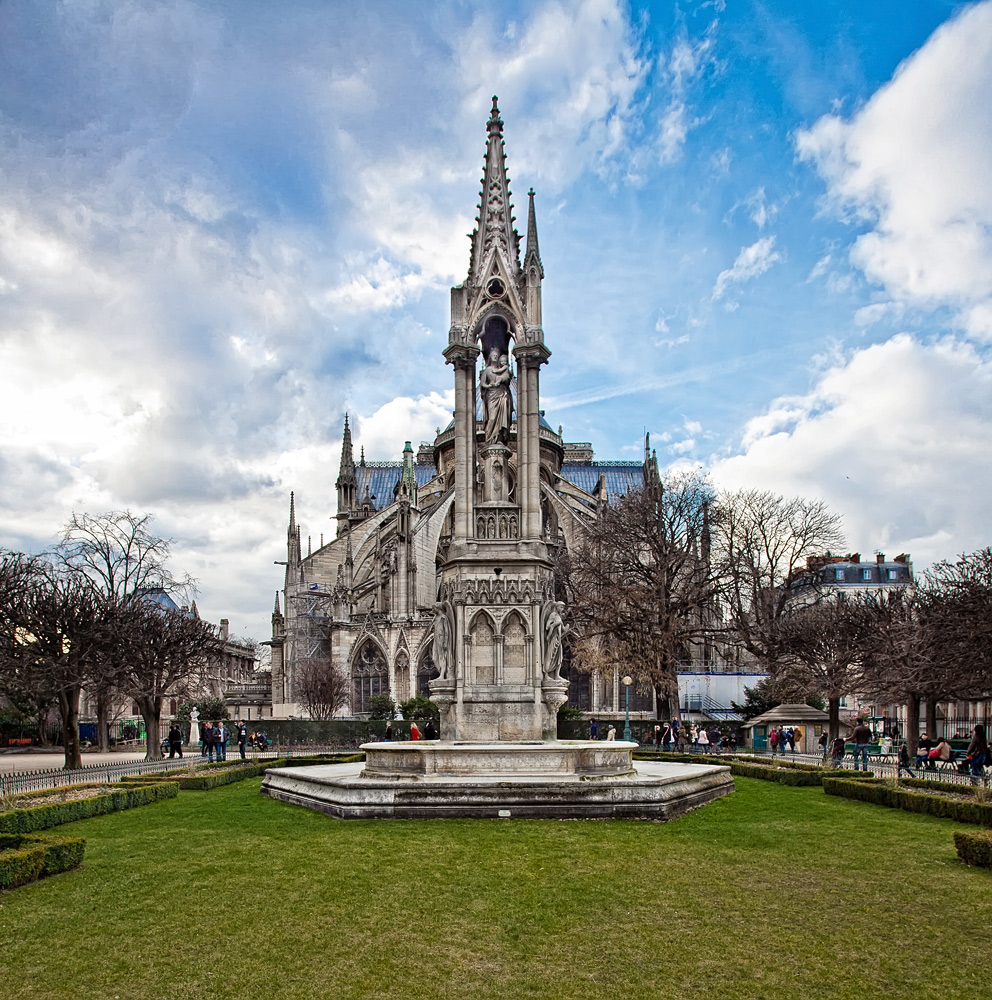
[275, 609]
[495, 232]
[292, 534]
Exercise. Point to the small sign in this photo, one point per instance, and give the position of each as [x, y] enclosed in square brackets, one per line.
[504, 814]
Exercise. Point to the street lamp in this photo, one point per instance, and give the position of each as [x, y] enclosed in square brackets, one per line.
[627, 681]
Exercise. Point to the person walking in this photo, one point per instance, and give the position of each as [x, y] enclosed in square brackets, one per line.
[903, 764]
[594, 730]
[978, 752]
[207, 738]
[611, 733]
[430, 730]
[414, 731]
[221, 736]
[175, 741]
[822, 742]
[862, 737]
[773, 740]
[242, 739]
[389, 732]
[704, 739]
[837, 753]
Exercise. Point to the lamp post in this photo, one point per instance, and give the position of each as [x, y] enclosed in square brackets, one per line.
[627, 681]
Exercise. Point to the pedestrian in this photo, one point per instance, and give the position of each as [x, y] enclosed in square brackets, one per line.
[611, 733]
[822, 741]
[222, 736]
[773, 740]
[666, 738]
[862, 737]
[703, 738]
[978, 752]
[656, 737]
[903, 764]
[837, 752]
[175, 741]
[206, 737]
[389, 732]
[242, 739]
[695, 736]
[594, 730]
[414, 731]
[430, 730]
[797, 739]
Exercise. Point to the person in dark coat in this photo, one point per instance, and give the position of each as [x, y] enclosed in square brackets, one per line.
[175, 741]
[861, 737]
[978, 753]
[242, 738]
[430, 730]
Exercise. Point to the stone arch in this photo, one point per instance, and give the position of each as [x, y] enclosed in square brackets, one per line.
[482, 649]
[401, 673]
[426, 672]
[514, 649]
[369, 675]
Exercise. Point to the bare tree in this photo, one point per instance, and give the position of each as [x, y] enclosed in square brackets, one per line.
[641, 588]
[322, 688]
[766, 543]
[161, 652]
[823, 647]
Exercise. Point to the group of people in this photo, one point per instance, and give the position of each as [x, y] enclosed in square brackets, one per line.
[430, 731]
[675, 736]
[781, 739]
[928, 754]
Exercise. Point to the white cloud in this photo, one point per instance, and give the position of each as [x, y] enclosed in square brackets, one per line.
[895, 438]
[403, 419]
[751, 262]
[916, 163]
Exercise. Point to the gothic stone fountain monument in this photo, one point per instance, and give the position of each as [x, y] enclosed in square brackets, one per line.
[497, 641]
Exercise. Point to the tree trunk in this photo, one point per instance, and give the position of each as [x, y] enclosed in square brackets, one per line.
[833, 720]
[932, 718]
[913, 723]
[151, 712]
[69, 711]
[103, 721]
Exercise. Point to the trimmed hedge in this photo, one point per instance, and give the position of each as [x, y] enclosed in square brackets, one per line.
[27, 857]
[884, 794]
[214, 776]
[118, 797]
[791, 773]
[974, 848]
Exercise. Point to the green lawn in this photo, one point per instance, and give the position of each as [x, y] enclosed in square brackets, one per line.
[772, 892]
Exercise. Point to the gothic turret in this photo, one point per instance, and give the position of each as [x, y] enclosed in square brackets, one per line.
[347, 483]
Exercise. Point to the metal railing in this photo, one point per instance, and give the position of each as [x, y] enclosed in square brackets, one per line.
[41, 779]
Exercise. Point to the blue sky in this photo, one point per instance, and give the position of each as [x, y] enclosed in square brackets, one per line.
[766, 231]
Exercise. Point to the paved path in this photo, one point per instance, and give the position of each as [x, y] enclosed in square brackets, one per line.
[12, 761]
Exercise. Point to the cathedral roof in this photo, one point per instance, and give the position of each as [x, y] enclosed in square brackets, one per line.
[619, 478]
[382, 478]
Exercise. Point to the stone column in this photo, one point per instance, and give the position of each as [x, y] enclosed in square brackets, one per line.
[463, 358]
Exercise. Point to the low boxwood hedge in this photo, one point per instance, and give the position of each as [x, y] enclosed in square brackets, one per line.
[214, 775]
[792, 773]
[974, 848]
[26, 857]
[883, 793]
[27, 818]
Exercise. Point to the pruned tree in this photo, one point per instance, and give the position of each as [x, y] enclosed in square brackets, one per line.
[822, 649]
[162, 652]
[766, 542]
[322, 688]
[123, 559]
[641, 590]
[60, 635]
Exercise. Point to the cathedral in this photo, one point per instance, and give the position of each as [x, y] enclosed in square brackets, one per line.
[442, 565]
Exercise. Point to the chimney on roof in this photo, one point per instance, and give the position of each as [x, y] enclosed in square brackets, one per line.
[855, 558]
[903, 557]
[880, 557]
[225, 628]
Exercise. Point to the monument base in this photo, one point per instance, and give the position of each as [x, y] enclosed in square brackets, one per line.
[552, 780]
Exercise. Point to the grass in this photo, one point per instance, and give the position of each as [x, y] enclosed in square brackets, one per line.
[771, 891]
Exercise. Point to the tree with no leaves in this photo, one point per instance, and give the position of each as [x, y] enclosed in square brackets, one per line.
[640, 590]
[322, 688]
[766, 543]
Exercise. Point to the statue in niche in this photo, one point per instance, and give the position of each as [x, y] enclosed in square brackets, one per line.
[442, 642]
[554, 629]
[494, 387]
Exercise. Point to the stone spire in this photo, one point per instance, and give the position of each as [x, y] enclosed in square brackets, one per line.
[408, 478]
[494, 232]
[532, 256]
[347, 483]
[292, 534]
[275, 607]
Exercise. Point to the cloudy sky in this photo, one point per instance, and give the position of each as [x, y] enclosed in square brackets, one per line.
[766, 229]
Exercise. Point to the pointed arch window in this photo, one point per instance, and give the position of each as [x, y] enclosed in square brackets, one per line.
[369, 676]
[426, 672]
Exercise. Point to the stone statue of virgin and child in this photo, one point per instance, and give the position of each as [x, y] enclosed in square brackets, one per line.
[497, 404]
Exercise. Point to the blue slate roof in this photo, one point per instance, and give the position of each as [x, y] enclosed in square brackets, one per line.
[619, 478]
[382, 478]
